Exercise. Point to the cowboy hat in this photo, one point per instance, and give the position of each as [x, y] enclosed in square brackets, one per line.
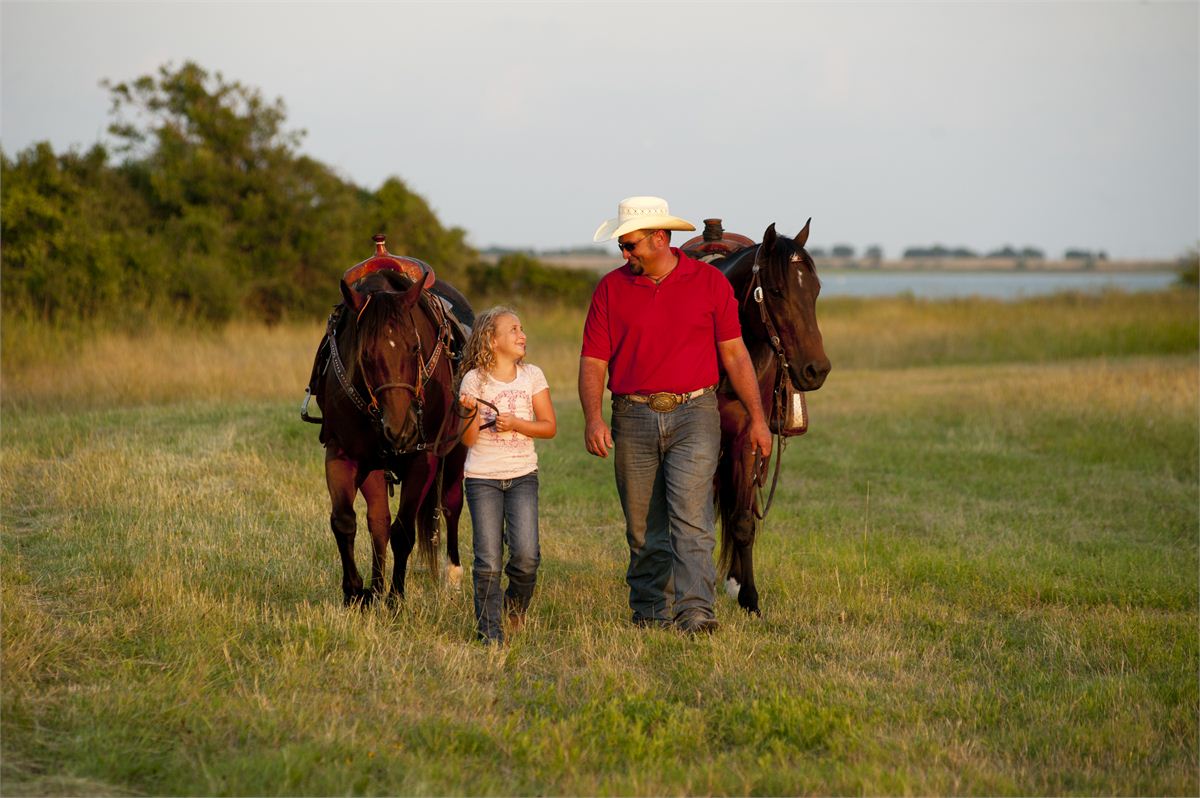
[640, 213]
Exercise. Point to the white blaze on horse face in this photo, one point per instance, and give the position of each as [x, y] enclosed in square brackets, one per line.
[795, 258]
[391, 343]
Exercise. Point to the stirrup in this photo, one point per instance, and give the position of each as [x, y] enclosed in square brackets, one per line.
[304, 416]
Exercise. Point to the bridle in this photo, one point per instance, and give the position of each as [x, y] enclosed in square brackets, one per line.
[426, 367]
[754, 290]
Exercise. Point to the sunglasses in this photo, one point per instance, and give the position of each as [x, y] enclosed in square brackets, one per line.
[630, 246]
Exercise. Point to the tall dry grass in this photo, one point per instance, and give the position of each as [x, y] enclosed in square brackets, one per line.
[979, 577]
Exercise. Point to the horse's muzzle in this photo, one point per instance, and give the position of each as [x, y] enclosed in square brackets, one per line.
[400, 439]
[811, 375]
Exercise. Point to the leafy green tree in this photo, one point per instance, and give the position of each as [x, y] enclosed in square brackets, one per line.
[75, 243]
[518, 275]
[413, 229]
[209, 212]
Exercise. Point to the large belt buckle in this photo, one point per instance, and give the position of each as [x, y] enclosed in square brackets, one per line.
[663, 402]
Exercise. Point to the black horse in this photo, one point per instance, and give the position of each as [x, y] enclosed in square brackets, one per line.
[385, 384]
[777, 286]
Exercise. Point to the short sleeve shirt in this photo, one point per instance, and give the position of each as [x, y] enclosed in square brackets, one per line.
[661, 337]
[503, 455]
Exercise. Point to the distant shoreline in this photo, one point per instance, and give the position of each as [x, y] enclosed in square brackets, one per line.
[604, 263]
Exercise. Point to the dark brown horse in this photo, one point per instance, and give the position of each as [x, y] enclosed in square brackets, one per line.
[388, 402]
[776, 286]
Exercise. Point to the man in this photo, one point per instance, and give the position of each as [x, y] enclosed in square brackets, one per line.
[658, 326]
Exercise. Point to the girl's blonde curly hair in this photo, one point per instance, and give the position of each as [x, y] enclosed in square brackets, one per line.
[478, 352]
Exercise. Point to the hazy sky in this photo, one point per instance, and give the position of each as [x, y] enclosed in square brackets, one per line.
[1053, 125]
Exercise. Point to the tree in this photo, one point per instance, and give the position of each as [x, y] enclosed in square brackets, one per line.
[209, 213]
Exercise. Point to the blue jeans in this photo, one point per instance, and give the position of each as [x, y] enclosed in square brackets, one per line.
[503, 512]
[665, 463]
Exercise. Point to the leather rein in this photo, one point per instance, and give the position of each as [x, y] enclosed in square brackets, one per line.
[754, 289]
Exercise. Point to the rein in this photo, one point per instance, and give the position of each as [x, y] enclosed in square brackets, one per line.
[755, 289]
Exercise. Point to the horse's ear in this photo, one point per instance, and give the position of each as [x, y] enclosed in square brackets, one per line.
[802, 236]
[352, 298]
[768, 242]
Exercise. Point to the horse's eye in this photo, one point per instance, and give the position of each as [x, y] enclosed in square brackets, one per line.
[777, 291]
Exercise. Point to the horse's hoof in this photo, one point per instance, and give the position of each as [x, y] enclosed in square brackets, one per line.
[748, 600]
[751, 609]
[732, 588]
[454, 576]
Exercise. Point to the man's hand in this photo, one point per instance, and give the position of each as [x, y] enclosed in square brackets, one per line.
[598, 438]
[760, 438]
[596, 435]
[740, 369]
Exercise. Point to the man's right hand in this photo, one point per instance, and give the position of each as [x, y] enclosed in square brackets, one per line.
[598, 438]
[596, 435]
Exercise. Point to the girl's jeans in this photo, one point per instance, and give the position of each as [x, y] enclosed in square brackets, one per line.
[503, 512]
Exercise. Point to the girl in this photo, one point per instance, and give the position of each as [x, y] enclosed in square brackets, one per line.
[501, 479]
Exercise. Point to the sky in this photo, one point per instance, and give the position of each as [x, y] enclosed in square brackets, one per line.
[890, 124]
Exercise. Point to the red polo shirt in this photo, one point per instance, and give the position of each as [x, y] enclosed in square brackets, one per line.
[661, 337]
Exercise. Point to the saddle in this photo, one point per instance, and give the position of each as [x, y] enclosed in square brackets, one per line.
[450, 304]
[714, 243]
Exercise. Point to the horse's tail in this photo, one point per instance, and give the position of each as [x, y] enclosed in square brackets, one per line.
[721, 509]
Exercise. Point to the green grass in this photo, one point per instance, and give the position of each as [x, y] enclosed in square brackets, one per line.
[979, 577]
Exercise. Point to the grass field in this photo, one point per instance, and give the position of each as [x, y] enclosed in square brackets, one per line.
[979, 577]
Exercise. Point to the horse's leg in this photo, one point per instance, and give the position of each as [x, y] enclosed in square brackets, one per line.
[403, 537]
[379, 519]
[741, 523]
[404, 525]
[341, 479]
[452, 488]
[748, 592]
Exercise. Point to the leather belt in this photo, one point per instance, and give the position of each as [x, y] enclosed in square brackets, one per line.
[665, 401]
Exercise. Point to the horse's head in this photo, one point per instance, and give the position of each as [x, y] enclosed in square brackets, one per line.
[790, 288]
[387, 349]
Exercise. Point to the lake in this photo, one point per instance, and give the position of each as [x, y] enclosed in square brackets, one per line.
[991, 285]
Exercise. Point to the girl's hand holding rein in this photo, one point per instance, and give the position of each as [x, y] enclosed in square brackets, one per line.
[470, 432]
